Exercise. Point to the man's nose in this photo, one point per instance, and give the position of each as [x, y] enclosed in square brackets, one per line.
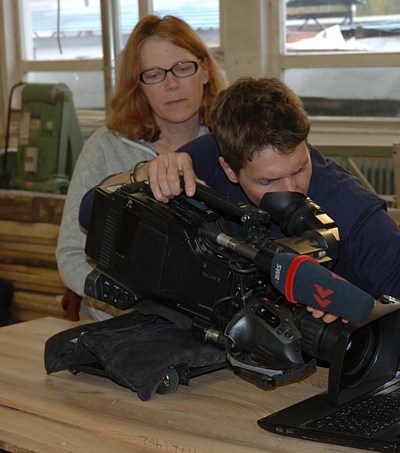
[290, 184]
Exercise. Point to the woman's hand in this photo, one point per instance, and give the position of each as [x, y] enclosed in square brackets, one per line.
[164, 175]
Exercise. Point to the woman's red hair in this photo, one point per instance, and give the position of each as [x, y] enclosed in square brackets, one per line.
[131, 116]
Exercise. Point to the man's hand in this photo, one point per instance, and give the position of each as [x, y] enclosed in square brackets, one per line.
[330, 317]
[326, 317]
[164, 172]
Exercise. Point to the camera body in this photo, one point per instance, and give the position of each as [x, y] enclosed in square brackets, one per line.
[178, 252]
[179, 261]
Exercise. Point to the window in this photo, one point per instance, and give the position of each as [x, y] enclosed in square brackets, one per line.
[63, 40]
[342, 56]
[202, 15]
[343, 25]
[72, 31]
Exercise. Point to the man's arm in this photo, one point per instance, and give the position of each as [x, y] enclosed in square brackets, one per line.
[373, 249]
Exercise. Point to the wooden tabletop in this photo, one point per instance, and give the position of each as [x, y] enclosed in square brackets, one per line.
[61, 412]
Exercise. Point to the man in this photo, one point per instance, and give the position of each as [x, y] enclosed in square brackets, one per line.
[259, 144]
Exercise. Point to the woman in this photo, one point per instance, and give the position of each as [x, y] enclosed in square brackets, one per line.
[167, 82]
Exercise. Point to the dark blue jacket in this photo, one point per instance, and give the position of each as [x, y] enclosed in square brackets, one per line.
[370, 240]
[369, 254]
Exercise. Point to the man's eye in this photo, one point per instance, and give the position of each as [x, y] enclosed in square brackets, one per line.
[267, 182]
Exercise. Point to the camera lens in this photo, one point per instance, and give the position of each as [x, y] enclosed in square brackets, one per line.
[361, 350]
[317, 337]
[318, 340]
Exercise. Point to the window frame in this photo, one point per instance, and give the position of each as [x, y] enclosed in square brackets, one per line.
[268, 54]
[332, 131]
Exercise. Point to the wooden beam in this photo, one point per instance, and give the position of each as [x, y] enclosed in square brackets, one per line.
[36, 207]
[31, 232]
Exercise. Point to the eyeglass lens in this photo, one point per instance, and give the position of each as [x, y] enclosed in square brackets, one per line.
[180, 70]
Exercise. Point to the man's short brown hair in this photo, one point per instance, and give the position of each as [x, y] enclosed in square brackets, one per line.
[252, 114]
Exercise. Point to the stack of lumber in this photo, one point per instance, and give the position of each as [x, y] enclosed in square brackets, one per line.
[29, 224]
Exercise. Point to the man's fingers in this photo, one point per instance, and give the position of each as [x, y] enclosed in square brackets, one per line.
[326, 317]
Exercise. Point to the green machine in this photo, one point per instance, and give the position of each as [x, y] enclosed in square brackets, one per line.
[50, 139]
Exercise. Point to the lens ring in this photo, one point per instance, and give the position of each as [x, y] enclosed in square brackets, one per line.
[361, 351]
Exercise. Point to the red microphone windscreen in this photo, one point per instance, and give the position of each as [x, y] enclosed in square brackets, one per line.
[302, 280]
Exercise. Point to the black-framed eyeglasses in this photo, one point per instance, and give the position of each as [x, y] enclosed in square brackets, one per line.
[181, 70]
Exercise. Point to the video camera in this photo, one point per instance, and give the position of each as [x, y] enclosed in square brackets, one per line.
[178, 260]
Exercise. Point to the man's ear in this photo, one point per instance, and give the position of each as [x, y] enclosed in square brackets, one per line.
[228, 170]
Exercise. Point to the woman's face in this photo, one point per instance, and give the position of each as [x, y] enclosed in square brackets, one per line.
[174, 100]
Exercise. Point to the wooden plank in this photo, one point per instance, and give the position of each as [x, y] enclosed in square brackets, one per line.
[43, 261]
[36, 207]
[29, 227]
[15, 250]
[41, 434]
[27, 239]
[31, 270]
[41, 303]
[33, 279]
[28, 259]
[24, 315]
[25, 229]
[24, 249]
[34, 287]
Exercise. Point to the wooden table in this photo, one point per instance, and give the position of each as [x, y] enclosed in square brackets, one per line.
[61, 412]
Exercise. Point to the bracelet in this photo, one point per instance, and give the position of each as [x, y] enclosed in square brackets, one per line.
[135, 169]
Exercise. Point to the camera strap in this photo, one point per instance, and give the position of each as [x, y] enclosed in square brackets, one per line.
[267, 377]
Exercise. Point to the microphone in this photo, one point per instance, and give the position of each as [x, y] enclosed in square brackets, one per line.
[303, 280]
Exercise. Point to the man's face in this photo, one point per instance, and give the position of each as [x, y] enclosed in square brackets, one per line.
[270, 171]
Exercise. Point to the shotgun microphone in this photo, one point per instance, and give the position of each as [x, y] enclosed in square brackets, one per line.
[303, 280]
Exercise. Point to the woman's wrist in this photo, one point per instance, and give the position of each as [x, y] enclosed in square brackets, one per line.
[134, 177]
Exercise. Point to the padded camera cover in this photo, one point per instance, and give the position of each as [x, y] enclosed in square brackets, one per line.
[135, 350]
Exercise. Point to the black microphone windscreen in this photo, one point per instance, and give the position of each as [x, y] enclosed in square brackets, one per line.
[303, 280]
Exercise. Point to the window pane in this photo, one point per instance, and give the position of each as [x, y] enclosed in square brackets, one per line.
[360, 92]
[202, 15]
[79, 32]
[343, 25]
[73, 32]
[129, 16]
[87, 87]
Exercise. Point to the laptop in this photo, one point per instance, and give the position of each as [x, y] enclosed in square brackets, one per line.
[361, 408]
